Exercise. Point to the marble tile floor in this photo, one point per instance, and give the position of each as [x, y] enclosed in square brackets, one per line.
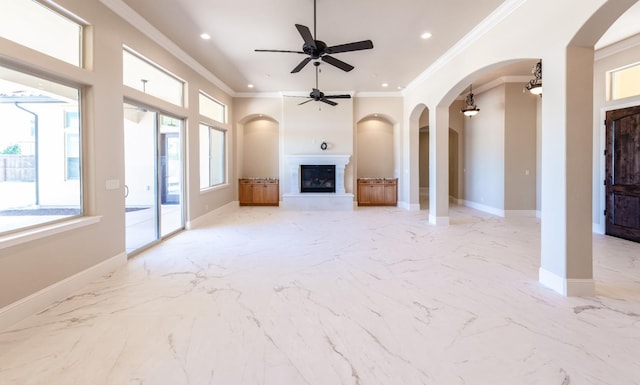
[374, 296]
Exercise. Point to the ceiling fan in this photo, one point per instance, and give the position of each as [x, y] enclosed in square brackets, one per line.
[317, 49]
[318, 96]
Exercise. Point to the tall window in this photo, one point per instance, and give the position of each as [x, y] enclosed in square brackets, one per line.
[31, 24]
[212, 108]
[212, 156]
[625, 82]
[148, 77]
[40, 151]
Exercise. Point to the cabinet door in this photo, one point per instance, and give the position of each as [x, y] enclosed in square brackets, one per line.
[258, 192]
[391, 193]
[364, 194]
[246, 192]
[271, 193]
[377, 192]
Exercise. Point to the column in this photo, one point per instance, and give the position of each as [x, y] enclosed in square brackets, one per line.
[566, 195]
[439, 166]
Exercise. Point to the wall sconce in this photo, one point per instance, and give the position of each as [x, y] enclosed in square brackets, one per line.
[470, 109]
[535, 85]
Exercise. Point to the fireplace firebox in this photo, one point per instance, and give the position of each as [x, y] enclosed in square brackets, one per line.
[318, 178]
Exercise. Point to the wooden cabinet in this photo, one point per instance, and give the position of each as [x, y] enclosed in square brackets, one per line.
[259, 192]
[377, 191]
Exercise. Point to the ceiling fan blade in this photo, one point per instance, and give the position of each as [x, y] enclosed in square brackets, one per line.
[277, 50]
[306, 35]
[301, 65]
[306, 101]
[356, 46]
[346, 96]
[330, 102]
[337, 63]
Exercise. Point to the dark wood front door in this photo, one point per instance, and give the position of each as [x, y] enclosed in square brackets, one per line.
[623, 173]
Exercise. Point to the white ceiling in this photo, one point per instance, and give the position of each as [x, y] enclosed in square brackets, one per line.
[237, 27]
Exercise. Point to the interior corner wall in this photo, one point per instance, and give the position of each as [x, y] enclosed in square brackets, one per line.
[456, 150]
[520, 149]
[484, 151]
[423, 160]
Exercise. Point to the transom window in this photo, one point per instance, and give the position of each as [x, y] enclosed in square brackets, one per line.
[33, 25]
[625, 82]
[150, 78]
[212, 108]
[40, 151]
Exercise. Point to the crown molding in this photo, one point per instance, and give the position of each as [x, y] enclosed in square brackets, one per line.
[504, 10]
[140, 23]
[617, 47]
[257, 95]
[495, 83]
[367, 94]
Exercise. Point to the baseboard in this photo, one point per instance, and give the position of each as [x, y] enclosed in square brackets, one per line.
[438, 221]
[520, 213]
[456, 201]
[485, 208]
[598, 228]
[569, 287]
[409, 206]
[206, 218]
[40, 300]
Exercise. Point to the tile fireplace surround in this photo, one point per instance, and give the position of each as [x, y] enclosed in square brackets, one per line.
[295, 200]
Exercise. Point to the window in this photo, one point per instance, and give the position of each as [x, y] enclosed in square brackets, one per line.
[145, 76]
[625, 82]
[212, 156]
[40, 152]
[212, 108]
[31, 24]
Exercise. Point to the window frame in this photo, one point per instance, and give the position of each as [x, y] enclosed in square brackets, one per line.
[225, 157]
[38, 229]
[201, 95]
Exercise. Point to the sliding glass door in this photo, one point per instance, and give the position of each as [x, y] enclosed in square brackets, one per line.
[153, 176]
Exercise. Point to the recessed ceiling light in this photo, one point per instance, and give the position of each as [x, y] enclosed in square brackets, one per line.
[385, 84]
[400, 87]
[205, 36]
[425, 35]
[250, 85]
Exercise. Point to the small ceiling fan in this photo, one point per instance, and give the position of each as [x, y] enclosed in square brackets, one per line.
[317, 49]
[318, 96]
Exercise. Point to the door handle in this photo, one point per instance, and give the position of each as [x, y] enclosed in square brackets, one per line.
[126, 191]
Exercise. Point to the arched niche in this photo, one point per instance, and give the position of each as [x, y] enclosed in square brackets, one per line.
[259, 147]
[376, 147]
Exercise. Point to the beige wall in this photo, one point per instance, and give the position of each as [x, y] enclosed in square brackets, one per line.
[375, 149]
[260, 149]
[520, 148]
[484, 150]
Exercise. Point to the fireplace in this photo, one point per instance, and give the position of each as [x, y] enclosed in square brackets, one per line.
[332, 195]
[317, 178]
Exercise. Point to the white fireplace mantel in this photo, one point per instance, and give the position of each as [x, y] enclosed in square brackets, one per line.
[339, 200]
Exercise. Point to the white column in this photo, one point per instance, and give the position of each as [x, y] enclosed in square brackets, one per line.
[566, 195]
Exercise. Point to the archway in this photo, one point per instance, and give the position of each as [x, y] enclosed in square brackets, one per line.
[258, 141]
